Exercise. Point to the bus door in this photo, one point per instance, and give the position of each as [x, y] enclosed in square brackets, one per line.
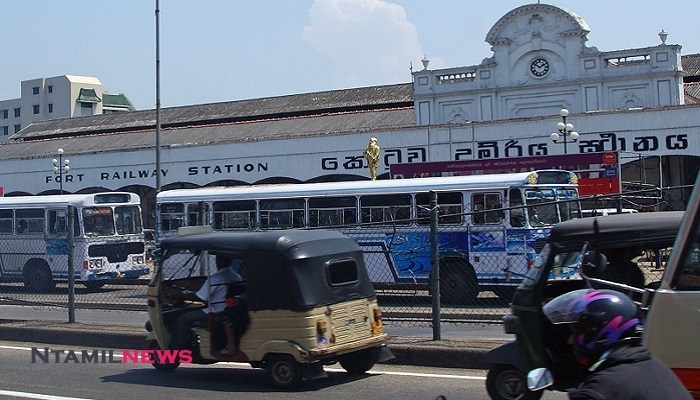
[487, 245]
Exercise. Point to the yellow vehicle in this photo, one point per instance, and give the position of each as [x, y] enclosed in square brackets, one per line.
[672, 327]
[309, 300]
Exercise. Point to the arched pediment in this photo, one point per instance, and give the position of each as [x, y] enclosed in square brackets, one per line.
[536, 19]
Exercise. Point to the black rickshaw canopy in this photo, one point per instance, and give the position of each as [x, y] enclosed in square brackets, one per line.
[618, 230]
[287, 269]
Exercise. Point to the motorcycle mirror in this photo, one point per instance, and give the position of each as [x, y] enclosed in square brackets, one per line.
[539, 378]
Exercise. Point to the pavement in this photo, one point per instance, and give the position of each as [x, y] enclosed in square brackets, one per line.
[458, 346]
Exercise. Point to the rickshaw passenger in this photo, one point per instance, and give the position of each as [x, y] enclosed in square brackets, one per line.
[621, 268]
[219, 282]
[236, 318]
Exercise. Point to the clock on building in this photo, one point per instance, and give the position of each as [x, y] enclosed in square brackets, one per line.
[539, 67]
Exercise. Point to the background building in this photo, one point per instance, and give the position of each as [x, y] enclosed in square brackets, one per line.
[641, 102]
[58, 97]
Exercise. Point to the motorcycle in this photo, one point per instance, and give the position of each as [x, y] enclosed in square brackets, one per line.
[570, 260]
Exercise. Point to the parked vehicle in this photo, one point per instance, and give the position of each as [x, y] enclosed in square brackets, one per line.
[309, 300]
[483, 245]
[541, 344]
[672, 327]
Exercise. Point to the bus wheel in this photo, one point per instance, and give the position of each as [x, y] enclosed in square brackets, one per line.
[283, 371]
[37, 277]
[359, 362]
[458, 284]
[157, 362]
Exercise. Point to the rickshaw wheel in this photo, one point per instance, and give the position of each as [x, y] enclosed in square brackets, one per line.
[505, 382]
[283, 371]
[359, 362]
[166, 367]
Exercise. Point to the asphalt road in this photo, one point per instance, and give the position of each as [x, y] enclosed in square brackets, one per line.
[22, 379]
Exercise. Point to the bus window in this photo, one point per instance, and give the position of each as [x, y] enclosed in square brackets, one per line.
[481, 203]
[128, 220]
[282, 213]
[171, 216]
[568, 209]
[194, 214]
[449, 208]
[58, 221]
[98, 221]
[30, 220]
[332, 211]
[395, 208]
[5, 222]
[517, 212]
[231, 215]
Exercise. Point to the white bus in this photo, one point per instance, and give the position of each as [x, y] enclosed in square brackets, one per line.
[108, 240]
[488, 226]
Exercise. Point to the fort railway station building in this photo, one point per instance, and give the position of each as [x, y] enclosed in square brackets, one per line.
[643, 102]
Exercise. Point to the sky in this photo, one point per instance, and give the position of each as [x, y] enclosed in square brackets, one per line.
[213, 51]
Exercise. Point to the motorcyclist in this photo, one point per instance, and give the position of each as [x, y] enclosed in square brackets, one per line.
[605, 339]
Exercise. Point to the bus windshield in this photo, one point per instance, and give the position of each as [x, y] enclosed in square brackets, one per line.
[550, 206]
[541, 208]
[128, 219]
[98, 221]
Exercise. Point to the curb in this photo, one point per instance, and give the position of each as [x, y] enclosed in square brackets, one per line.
[467, 354]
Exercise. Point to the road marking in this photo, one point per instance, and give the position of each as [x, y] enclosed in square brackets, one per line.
[374, 371]
[37, 396]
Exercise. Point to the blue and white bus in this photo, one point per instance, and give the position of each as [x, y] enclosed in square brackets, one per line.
[488, 224]
[108, 240]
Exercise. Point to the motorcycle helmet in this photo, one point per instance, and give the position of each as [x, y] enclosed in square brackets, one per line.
[600, 320]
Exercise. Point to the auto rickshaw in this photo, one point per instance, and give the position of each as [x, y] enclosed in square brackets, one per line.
[309, 300]
[558, 269]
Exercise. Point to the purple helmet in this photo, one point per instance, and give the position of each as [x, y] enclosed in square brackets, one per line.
[601, 319]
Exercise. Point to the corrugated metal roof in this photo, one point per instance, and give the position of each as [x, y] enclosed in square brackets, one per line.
[306, 104]
[691, 64]
[692, 93]
[338, 123]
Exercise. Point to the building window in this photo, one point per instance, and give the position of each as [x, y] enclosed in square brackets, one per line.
[36, 109]
[50, 107]
[5, 130]
[86, 105]
[5, 113]
[17, 113]
[50, 88]
[18, 128]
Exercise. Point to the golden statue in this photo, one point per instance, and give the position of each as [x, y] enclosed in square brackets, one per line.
[371, 154]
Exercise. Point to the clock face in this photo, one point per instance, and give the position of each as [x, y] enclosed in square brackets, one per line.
[539, 67]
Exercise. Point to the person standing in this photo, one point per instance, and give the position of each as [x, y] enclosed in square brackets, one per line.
[371, 154]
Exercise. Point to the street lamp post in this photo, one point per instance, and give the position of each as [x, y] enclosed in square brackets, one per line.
[565, 130]
[60, 167]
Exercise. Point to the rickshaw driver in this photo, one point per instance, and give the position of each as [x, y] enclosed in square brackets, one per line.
[218, 282]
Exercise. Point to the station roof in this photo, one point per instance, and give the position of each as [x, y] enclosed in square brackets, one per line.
[269, 108]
